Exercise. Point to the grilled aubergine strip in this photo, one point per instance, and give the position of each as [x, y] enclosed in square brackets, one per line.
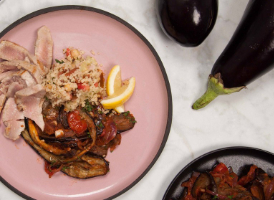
[88, 165]
[248, 55]
[35, 137]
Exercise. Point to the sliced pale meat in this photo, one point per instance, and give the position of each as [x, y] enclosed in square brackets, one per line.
[24, 74]
[6, 82]
[14, 128]
[9, 86]
[34, 70]
[28, 78]
[33, 110]
[3, 98]
[13, 120]
[37, 91]
[13, 88]
[10, 111]
[30, 101]
[12, 51]
[7, 74]
[7, 66]
[44, 47]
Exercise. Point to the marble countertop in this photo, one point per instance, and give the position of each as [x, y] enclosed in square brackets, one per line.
[240, 119]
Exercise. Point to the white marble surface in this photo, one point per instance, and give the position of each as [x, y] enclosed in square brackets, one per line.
[244, 118]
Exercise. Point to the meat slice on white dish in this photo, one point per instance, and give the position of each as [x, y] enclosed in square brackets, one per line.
[44, 48]
[12, 51]
[13, 120]
[30, 101]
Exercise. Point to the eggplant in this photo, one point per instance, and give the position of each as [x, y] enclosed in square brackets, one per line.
[203, 182]
[187, 22]
[124, 121]
[63, 117]
[257, 190]
[85, 166]
[248, 55]
[33, 132]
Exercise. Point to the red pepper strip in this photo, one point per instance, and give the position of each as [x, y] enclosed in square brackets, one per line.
[83, 86]
[50, 170]
[189, 184]
[67, 52]
[249, 177]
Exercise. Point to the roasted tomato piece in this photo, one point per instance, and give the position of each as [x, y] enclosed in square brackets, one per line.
[221, 168]
[75, 122]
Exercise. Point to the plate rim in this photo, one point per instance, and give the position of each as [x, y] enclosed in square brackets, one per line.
[153, 51]
[209, 153]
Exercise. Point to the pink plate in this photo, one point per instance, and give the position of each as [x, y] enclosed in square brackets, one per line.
[111, 41]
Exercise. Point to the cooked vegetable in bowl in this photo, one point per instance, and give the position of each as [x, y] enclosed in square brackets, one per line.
[223, 183]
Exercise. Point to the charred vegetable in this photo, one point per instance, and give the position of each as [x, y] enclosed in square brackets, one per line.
[76, 142]
[223, 183]
[86, 166]
[187, 22]
[124, 121]
[248, 55]
[203, 182]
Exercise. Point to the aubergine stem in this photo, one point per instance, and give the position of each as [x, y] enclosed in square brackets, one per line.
[215, 88]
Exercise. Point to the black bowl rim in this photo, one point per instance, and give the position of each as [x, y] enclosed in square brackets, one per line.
[208, 154]
[167, 84]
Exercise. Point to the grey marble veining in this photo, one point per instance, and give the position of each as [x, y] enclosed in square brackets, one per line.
[240, 119]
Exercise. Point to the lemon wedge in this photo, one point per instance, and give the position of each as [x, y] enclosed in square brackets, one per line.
[121, 94]
[114, 83]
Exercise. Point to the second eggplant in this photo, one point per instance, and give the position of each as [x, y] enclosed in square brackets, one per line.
[248, 55]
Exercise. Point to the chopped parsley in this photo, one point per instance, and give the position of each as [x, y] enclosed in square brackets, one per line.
[64, 168]
[58, 61]
[89, 134]
[101, 125]
[88, 106]
[215, 197]
[230, 197]
[126, 113]
[52, 162]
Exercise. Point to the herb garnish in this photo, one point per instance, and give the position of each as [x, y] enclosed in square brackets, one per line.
[88, 134]
[230, 197]
[101, 125]
[58, 61]
[126, 113]
[88, 106]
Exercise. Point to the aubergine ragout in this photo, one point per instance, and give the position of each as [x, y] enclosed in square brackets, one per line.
[223, 183]
[78, 131]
